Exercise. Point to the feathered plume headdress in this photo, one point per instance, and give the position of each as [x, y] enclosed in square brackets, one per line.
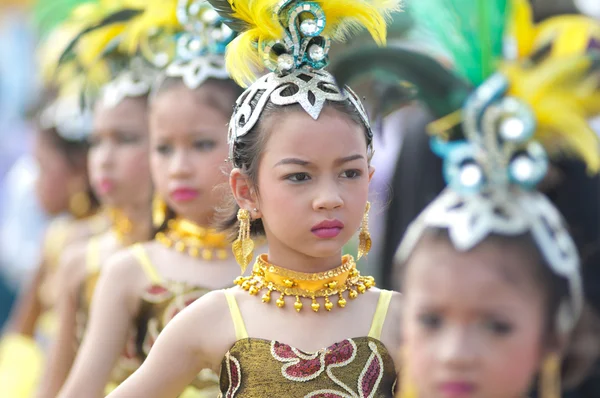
[507, 114]
[95, 53]
[291, 38]
[186, 38]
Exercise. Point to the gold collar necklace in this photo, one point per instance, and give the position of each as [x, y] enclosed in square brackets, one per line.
[121, 226]
[187, 237]
[308, 285]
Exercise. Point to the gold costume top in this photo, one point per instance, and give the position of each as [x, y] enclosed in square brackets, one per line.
[352, 368]
[160, 303]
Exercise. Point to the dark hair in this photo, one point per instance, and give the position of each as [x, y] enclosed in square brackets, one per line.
[248, 150]
[221, 87]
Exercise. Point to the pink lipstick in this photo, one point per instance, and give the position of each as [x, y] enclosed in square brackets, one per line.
[457, 389]
[184, 194]
[328, 229]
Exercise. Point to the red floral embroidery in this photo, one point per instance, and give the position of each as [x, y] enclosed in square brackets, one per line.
[372, 373]
[370, 376]
[235, 376]
[299, 366]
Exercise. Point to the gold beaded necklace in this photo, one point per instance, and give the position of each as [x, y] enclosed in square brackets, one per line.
[187, 237]
[308, 285]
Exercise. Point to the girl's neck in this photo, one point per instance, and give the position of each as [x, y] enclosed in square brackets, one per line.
[203, 221]
[140, 223]
[299, 262]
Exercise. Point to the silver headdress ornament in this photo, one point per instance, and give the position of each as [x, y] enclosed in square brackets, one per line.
[491, 179]
[200, 50]
[70, 120]
[134, 81]
[295, 55]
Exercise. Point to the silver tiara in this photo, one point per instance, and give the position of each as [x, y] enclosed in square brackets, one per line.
[491, 189]
[296, 63]
[68, 117]
[310, 89]
[134, 81]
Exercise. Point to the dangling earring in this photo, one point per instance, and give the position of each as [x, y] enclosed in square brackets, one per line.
[407, 388]
[243, 247]
[550, 378]
[80, 204]
[159, 211]
[364, 237]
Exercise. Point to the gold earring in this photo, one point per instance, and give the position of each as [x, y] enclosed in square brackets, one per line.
[364, 237]
[407, 388]
[243, 247]
[159, 211]
[550, 377]
[80, 204]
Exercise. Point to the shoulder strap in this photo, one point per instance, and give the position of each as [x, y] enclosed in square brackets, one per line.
[236, 316]
[144, 260]
[380, 313]
[92, 258]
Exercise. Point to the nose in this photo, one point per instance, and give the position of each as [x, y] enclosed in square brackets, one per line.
[180, 165]
[459, 348]
[328, 196]
[103, 155]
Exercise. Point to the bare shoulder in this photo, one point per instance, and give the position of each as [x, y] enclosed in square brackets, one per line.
[125, 267]
[392, 326]
[207, 327]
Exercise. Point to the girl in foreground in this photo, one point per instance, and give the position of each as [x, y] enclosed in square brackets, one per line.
[305, 322]
[490, 275]
[143, 287]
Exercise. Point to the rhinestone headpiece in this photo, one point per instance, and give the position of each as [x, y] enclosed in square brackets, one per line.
[294, 46]
[200, 49]
[491, 179]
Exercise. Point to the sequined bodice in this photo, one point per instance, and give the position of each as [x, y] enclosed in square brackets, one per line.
[359, 367]
[161, 302]
[353, 368]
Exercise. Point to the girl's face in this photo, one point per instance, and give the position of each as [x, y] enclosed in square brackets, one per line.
[189, 149]
[473, 322]
[313, 181]
[57, 178]
[118, 158]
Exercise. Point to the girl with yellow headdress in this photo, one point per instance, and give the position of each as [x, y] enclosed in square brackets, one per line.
[305, 323]
[117, 88]
[142, 288]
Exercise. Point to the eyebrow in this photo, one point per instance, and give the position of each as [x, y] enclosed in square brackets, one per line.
[301, 162]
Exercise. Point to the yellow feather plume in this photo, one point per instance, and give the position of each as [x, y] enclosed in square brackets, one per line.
[563, 98]
[244, 56]
[521, 28]
[157, 15]
[569, 34]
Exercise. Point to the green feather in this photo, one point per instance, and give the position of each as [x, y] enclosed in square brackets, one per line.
[471, 31]
[47, 14]
[440, 89]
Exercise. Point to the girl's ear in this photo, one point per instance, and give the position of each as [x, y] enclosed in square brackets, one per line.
[243, 192]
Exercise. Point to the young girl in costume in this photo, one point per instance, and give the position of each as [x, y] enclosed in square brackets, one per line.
[146, 285]
[63, 190]
[119, 173]
[490, 274]
[305, 323]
